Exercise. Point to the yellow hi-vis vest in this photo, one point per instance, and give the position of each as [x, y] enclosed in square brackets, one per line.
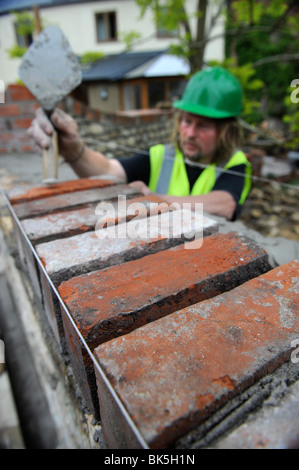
[168, 174]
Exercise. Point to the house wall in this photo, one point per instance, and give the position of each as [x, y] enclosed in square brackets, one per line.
[78, 23]
[95, 96]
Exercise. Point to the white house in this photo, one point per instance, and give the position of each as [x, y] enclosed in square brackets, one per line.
[99, 26]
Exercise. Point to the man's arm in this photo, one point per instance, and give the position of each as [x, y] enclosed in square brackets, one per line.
[84, 161]
[92, 163]
[216, 202]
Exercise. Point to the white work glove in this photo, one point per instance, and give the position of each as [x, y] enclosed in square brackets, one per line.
[69, 141]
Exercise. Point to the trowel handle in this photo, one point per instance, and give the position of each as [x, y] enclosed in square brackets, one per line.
[50, 161]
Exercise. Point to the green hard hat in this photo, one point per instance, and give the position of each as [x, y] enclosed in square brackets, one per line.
[213, 93]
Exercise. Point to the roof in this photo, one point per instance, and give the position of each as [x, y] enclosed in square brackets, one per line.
[6, 6]
[116, 66]
[135, 64]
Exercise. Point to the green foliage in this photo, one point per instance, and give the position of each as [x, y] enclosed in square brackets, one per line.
[16, 51]
[249, 12]
[266, 30]
[162, 10]
[182, 49]
[250, 85]
[24, 27]
[129, 38]
[91, 56]
[24, 23]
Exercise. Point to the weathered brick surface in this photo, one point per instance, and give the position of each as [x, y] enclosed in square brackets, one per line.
[27, 193]
[114, 301]
[68, 223]
[175, 372]
[65, 258]
[74, 199]
[188, 346]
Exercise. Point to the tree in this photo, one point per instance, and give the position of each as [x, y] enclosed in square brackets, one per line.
[261, 39]
[191, 42]
[25, 29]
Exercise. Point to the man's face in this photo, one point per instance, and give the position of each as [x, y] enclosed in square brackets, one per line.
[198, 137]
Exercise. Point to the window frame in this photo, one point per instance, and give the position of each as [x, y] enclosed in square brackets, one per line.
[108, 36]
[164, 33]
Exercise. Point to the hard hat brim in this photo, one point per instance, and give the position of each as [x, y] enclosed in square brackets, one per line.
[203, 110]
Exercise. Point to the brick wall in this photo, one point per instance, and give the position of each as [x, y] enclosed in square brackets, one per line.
[185, 335]
[15, 117]
[17, 112]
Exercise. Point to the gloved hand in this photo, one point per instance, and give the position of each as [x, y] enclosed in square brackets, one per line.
[69, 141]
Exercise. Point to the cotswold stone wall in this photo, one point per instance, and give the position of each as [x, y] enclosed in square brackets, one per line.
[121, 140]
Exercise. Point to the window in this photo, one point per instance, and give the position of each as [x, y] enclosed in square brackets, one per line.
[26, 38]
[106, 26]
[132, 97]
[162, 30]
[156, 93]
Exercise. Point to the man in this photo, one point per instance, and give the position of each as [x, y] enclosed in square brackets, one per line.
[203, 166]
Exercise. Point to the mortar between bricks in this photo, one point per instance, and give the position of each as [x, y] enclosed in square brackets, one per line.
[183, 367]
[114, 301]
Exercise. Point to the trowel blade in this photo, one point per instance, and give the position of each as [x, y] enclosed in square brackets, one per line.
[49, 68]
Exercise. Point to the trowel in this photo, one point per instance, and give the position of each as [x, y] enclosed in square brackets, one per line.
[50, 70]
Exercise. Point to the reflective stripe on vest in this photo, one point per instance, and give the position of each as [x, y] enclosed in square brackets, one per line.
[169, 174]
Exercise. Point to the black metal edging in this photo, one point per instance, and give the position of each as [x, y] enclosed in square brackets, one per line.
[37, 425]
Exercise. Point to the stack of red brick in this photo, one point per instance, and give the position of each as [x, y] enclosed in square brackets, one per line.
[17, 112]
[162, 331]
[16, 115]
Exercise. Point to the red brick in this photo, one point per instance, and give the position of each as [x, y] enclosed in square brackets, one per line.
[175, 372]
[19, 93]
[9, 110]
[23, 123]
[114, 301]
[6, 137]
[70, 223]
[69, 200]
[97, 249]
[27, 148]
[24, 194]
[65, 258]
[87, 252]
